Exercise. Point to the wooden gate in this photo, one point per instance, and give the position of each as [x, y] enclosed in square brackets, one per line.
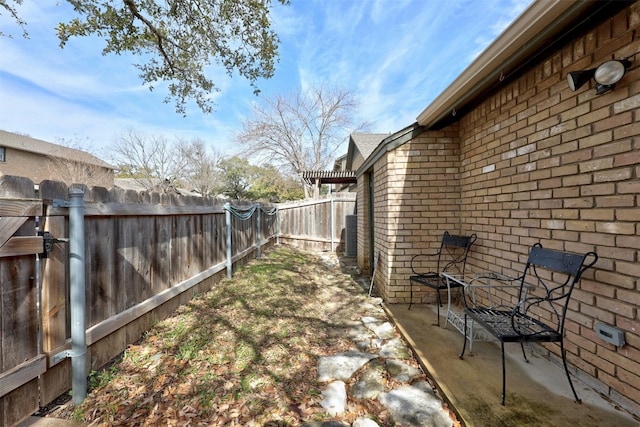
[21, 357]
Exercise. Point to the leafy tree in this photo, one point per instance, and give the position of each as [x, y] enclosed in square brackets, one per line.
[177, 40]
[236, 177]
[302, 131]
[242, 180]
[272, 186]
[11, 10]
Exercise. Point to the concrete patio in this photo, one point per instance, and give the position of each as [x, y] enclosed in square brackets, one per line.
[538, 392]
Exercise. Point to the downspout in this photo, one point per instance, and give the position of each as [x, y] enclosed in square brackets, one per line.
[78, 300]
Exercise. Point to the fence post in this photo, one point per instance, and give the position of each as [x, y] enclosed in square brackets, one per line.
[227, 215]
[333, 223]
[78, 299]
[277, 226]
[259, 231]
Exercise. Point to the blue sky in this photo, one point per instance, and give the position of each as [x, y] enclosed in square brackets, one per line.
[395, 56]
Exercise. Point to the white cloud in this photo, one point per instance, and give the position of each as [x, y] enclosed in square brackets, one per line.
[395, 55]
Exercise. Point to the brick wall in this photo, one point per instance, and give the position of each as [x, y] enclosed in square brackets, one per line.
[541, 163]
[534, 162]
[416, 199]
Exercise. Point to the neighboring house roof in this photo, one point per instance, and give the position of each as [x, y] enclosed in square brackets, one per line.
[364, 143]
[389, 143]
[340, 163]
[37, 146]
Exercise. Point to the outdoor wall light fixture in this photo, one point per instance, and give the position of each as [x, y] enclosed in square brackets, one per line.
[606, 76]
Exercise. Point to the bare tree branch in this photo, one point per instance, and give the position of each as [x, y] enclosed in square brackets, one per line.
[302, 131]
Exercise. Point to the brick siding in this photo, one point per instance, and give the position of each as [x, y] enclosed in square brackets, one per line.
[535, 162]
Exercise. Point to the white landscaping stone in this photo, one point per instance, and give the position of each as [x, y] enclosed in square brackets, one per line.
[395, 349]
[334, 398]
[342, 366]
[364, 422]
[416, 405]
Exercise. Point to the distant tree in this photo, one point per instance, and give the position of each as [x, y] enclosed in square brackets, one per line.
[270, 185]
[242, 180]
[236, 175]
[84, 168]
[302, 131]
[201, 172]
[155, 162]
[178, 39]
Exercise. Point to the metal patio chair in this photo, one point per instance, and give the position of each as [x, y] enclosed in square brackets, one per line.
[451, 258]
[539, 315]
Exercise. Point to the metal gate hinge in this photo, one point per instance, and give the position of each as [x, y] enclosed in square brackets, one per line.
[47, 242]
[60, 203]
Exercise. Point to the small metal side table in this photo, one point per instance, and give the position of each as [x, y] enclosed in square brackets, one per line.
[476, 285]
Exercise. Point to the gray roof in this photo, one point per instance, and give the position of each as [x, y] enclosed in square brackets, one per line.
[32, 145]
[367, 142]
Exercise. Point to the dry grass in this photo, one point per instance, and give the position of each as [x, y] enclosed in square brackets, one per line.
[244, 353]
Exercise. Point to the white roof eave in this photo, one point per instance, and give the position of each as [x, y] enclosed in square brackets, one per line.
[519, 40]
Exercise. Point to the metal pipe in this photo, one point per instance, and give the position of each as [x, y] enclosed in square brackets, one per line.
[227, 215]
[333, 223]
[277, 226]
[259, 231]
[78, 300]
[38, 279]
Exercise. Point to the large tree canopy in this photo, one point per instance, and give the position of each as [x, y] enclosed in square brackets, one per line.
[302, 131]
[177, 40]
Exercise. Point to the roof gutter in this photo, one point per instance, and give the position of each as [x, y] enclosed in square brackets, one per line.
[528, 33]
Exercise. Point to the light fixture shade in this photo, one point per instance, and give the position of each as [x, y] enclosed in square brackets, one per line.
[611, 72]
[577, 79]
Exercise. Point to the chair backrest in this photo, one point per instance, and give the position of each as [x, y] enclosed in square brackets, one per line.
[452, 257]
[551, 276]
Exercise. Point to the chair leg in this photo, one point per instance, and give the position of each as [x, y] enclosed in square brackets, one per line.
[566, 369]
[438, 304]
[504, 377]
[410, 293]
[464, 339]
[523, 352]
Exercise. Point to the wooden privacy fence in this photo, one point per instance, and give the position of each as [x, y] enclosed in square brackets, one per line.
[318, 224]
[144, 255]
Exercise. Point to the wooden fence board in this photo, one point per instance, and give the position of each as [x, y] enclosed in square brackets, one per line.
[143, 259]
[20, 207]
[8, 226]
[22, 245]
[22, 373]
[19, 316]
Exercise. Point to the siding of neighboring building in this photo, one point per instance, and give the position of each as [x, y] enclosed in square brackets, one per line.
[533, 162]
[40, 160]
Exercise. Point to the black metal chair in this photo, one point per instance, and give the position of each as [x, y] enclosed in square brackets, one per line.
[543, 297]
[451, 257]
